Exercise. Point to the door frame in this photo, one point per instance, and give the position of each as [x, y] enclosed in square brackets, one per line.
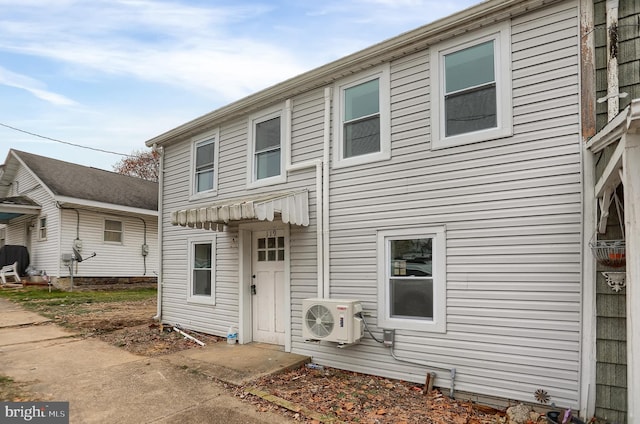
[245, 252]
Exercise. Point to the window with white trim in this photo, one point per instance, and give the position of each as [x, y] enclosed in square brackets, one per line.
[42, 228]
[205, 164]
[201, 278]
[113, 231]
[412, 279]
[362, 119]
[266, 155]
[471, 88]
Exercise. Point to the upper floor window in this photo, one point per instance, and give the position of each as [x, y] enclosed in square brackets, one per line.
[412, 279]
[266, 155]
[205, 159]
[471, 88]
[363, 133]
[113, 231]
[42, 228]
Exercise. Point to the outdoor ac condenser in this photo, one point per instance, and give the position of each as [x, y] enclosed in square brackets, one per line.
[332, 320]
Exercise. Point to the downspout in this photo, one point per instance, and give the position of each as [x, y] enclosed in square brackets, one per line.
[325, 192]
[160, 151]
[317, 163]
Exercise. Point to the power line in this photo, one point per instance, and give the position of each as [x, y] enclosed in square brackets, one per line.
[64, 142]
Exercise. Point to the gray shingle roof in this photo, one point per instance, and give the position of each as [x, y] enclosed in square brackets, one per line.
[82, 182]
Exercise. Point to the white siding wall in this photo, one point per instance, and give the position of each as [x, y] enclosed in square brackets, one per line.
[112, 259]
[511, 208]
[42, 253]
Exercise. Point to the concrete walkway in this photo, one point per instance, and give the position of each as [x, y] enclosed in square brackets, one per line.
[105, 384]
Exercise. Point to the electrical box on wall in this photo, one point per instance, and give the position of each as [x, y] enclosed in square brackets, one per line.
[145, 249]
[77, 244]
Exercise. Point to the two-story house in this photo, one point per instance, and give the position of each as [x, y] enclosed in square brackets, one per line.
[437, 178]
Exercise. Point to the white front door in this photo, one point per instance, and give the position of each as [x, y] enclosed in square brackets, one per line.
[267, 299]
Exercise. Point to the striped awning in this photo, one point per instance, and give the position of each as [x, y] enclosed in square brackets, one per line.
[291, 207]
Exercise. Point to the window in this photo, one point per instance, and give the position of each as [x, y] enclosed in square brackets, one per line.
[3, 236]
[363, 133]
[42, 228]
[471, 88]
[270, 249]
[112, 231]
[412, 279]
[201, 270]
[205, 160]
[266, 154]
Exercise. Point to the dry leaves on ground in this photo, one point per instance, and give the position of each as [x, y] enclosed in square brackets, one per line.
[353, 397]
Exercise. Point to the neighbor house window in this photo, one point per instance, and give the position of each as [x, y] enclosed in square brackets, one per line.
[205, 159]
[3, 236]
[201, 270]
[471, 88]
[412, 278]
[363, 119]
[266, 155]
[113, 231]
[42, 228]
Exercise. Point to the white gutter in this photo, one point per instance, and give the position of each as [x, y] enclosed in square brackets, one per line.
[325, 193]
[317, 164]
[160, 231]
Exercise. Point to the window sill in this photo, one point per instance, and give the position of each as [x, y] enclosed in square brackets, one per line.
[470, 138]
[427, 326]
[201, 300]
[203, 195]
[278, 179]
[362, 159]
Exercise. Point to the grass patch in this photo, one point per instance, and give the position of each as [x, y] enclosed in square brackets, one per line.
[34, 296]
[10, 391]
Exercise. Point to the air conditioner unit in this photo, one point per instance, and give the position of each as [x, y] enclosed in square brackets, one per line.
[332, 320]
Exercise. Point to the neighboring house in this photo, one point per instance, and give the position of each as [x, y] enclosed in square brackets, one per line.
[612, 312]
[438, 177]
[51, 206]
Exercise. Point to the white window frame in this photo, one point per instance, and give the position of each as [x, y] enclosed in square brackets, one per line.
[42, 228]
[209, 136]
[104, 230]
[501, 35]
[191, 242]
[382, 74]
[439, 275]
[276, 112]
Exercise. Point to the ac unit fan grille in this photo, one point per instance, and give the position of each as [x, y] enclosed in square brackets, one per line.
[319, 320]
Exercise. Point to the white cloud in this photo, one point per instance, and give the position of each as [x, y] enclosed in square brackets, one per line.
[33, 86]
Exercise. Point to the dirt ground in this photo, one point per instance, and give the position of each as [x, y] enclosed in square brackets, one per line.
[330, 395]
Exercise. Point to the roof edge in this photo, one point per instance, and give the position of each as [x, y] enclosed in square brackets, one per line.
[487, 12]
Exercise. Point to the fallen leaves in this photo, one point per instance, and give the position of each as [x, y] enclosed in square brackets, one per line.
[343, 396]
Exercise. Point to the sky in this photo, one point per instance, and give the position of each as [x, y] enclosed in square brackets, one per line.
[111, 74]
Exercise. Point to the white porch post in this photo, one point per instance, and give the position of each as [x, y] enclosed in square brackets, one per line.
[631, 180]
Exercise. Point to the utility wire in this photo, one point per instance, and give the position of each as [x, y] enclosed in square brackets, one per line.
[64, 142]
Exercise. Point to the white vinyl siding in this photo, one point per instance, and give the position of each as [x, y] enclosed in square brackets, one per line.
[511, 207]
[471, 87]
[112, 259]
